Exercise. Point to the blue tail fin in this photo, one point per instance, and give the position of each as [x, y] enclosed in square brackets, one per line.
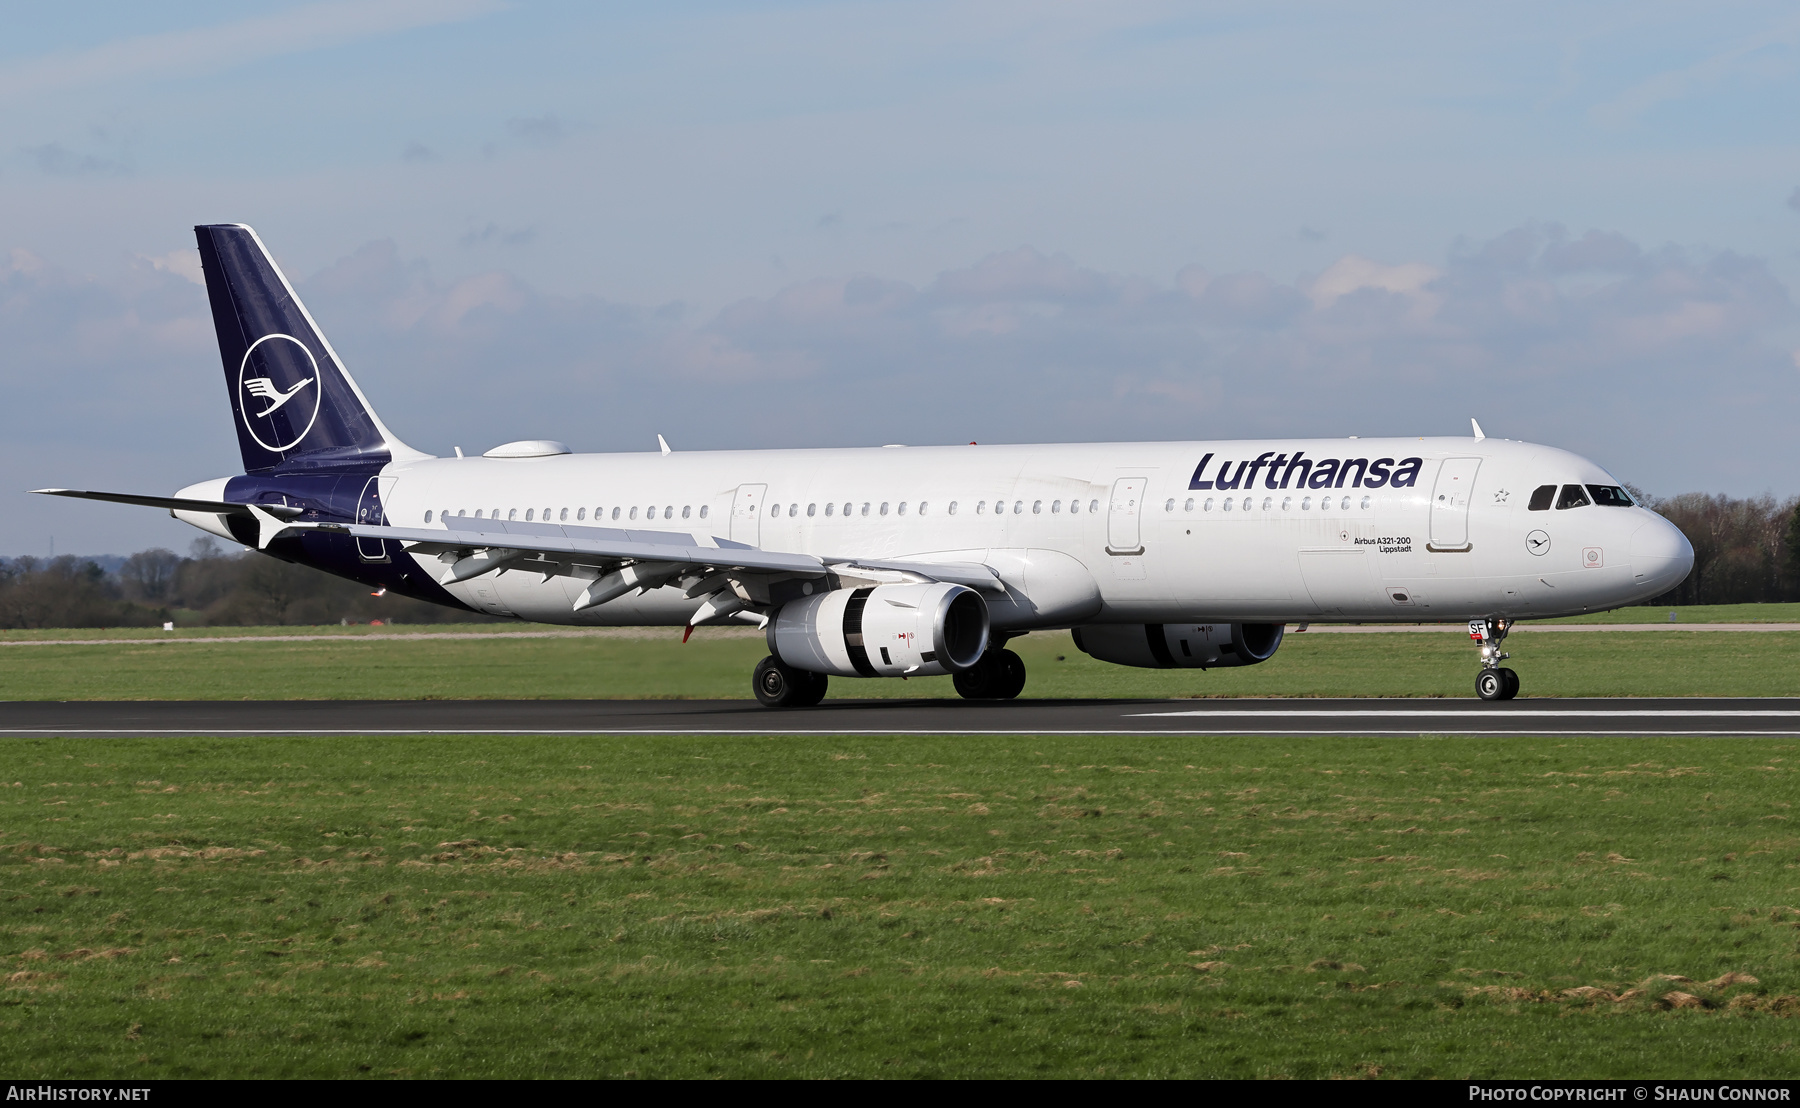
[296, 406]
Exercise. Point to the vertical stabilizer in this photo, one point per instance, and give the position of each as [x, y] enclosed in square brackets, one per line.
[294, 404]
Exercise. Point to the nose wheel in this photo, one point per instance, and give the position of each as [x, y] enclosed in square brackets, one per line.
[1494, 682]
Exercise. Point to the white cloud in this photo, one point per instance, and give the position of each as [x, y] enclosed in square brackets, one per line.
[1681, 82]
[1351, 273]
[184, 263]
[225, 46]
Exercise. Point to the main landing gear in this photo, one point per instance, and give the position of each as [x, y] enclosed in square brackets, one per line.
[1494, 682]
[779, 685]
[1000, 675]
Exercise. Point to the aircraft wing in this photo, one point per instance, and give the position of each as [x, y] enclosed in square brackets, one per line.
[737, 581]
[581, 545]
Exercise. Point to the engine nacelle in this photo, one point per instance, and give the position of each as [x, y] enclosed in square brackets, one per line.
[884, 631]
[1181, 645]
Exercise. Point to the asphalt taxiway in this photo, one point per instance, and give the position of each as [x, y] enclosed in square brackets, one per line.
[1347, 717]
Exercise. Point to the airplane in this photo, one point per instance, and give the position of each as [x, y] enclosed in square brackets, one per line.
[906, 561]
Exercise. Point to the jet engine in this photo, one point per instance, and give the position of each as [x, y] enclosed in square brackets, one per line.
[1181, 645]
[923, 630]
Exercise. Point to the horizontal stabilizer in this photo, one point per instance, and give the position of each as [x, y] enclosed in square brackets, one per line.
[175, 503]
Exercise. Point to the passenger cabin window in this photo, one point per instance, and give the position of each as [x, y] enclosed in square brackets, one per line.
[1573, 496]
[427, 517]
[1610, 496]
[830, 509]
[580, 513]
[1365, 503]
[865, 508]
[793, 509]
[1018, 507]
[1093, 505]
[1169, 504]
[1542, 497]
[923, 504]
[884, 507]
[980, 506]
[1037, 507]
[1189, 506]
[687, 511]
[633, 512]
[1055, 507]
[563, 516]
[616, 513]
[702, 511]
[902, 508]
[953, 507]
[478, 513]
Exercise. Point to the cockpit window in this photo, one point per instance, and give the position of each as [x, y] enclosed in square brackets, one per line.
[1542, 497]
[1610, 496]
[1572, 497]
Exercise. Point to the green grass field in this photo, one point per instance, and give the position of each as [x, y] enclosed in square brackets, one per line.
[1095, 906]
[1127, 906]
[1635, 663]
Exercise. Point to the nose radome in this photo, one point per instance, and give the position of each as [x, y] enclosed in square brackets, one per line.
[1661, 556]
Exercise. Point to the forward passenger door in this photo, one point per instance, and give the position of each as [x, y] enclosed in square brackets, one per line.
[1450, 499]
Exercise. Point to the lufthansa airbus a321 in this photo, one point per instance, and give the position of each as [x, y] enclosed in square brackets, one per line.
[912, 561]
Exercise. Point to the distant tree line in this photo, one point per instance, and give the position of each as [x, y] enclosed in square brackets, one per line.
[1745, 551]
[208, 587]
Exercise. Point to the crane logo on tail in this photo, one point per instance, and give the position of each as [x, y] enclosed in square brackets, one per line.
[263, 387]
[274, 374]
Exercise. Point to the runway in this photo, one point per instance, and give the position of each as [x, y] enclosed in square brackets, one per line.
[1350, 717]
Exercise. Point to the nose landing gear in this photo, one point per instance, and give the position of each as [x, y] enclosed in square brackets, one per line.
[1494, 682]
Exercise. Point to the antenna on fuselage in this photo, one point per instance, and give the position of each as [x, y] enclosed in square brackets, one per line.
[664, 443]
[1478, 433]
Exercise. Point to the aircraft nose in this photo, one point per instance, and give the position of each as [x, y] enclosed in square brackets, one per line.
[1661, 556]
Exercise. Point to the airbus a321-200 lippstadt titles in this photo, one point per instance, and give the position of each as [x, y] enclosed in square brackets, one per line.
[912, 561]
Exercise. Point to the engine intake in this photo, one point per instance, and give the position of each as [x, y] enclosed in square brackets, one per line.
[884, 631]
[1181, 645]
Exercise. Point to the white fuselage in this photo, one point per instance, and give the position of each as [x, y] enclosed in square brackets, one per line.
[1100, 532]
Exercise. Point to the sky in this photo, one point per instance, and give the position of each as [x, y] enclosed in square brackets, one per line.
[831, 224]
